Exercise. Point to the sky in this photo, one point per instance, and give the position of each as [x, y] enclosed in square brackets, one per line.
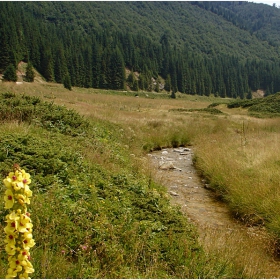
[268, 2]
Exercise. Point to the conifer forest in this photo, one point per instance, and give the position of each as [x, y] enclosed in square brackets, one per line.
[228, 49]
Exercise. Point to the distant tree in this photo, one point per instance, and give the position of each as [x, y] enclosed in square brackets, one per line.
[135, 85]
[29, 75]
[10, 74]
[249, 95]
[117, 70]
[142, 82]
[167, 85]
[67, 82]
[173, 94]
[157, 86]
[130, 79]
[4, 52]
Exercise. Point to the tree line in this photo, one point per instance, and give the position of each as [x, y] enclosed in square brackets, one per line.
[98, 59]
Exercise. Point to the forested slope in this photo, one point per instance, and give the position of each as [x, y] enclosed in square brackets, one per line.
[225, 48]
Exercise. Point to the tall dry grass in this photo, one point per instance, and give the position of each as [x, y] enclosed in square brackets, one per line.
[242, 164]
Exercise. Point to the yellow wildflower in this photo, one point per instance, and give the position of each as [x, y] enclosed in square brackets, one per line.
[24, 227]
[10, 249]
[27, 191]
[12, 273]
[19, 226]
[11, 238]
[27, 235]
[17, 185]
[15, 263]
[24, 275]
[24, 255]
[8, 182]
[22, 199]
[9, 199]
[26, 178]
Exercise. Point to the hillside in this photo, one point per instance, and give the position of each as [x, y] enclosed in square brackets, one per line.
[228, 49]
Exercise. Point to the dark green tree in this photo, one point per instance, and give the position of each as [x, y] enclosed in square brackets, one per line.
[10, 74]
[167, 85]
[29, 75]
[117, 70]
[135, 86]
[4, 53]
[67, 82]
[130, 79]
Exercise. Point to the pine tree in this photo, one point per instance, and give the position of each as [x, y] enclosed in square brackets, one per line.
[29, 75]
[167, 85]
[117, 70]
[67, 82]
[10, 74]
[4, 52]
[135, 86]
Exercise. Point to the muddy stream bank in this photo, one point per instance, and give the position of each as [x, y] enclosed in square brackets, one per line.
[219, 233]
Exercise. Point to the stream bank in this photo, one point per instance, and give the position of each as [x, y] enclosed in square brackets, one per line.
[219, 233]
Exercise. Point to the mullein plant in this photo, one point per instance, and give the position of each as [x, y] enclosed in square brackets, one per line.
[18, 231]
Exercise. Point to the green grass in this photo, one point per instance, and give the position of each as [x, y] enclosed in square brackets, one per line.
[95, 214]
[260, 107]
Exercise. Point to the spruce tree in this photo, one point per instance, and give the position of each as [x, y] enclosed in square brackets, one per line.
[4, 52]
[135, 86]
[117, 70]
[10, 74]
[67, 82]
[167, 85]
[29, 75]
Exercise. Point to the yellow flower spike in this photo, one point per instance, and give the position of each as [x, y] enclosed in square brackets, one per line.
[9, 199]
[18, 230]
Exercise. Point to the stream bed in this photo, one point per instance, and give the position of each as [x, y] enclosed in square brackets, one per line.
[218, 231]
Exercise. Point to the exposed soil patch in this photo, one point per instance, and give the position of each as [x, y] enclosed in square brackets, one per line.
[217, 229]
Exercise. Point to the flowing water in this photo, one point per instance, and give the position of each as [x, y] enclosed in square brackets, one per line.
[219, 232]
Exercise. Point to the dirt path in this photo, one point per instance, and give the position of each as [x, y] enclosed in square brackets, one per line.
[218, 231]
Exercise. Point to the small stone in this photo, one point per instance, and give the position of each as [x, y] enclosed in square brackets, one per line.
[173, 193]
[166, 165]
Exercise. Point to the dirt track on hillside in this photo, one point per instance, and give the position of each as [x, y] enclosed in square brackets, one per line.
[217, 229]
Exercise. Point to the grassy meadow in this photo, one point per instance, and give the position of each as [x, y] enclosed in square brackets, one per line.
[96, 210]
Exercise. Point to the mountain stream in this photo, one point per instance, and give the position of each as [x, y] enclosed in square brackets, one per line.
[219, 232]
